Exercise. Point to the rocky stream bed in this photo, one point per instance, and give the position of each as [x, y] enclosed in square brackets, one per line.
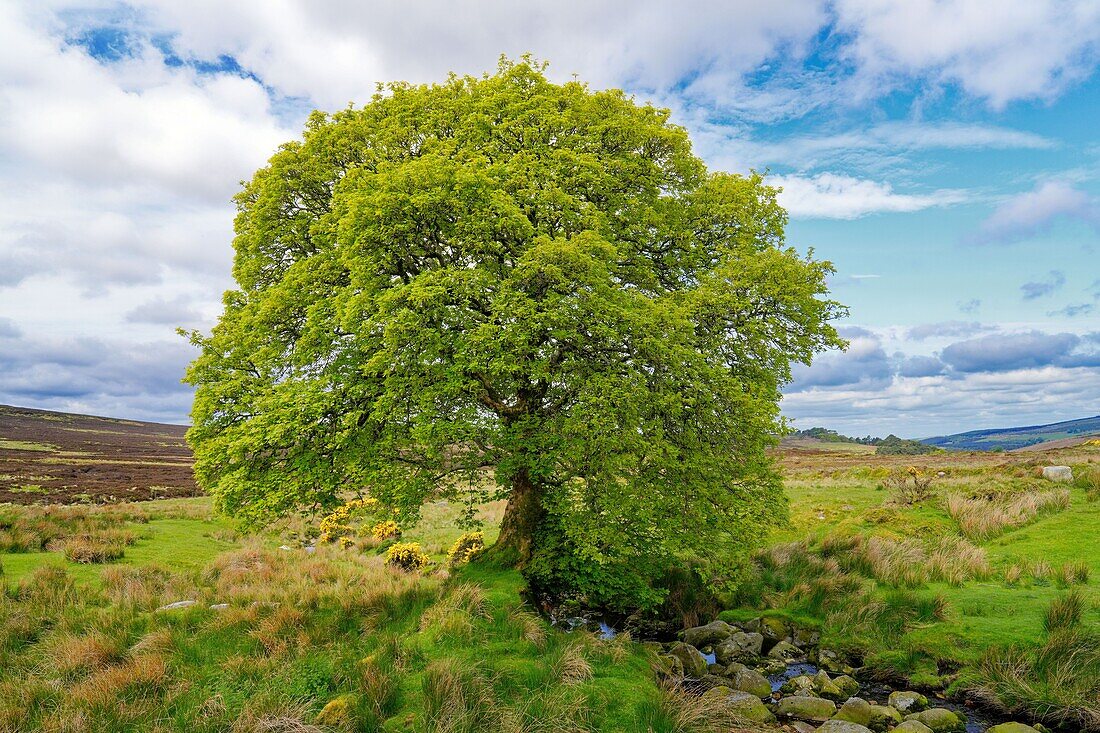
[776, 674]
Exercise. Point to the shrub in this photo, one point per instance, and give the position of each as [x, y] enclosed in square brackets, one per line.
[386, 530]
[465, 547]
[407, 556]
[338, 523]
[908, 486]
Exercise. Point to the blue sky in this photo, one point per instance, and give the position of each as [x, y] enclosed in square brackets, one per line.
[943, 154]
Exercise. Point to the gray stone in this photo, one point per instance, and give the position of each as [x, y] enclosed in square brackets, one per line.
[812, 709]
[220, 606]
[743, 704]
[800, 685]
[695, 664]
[908, 702]
[708, 635]
[1058, 473]
[785, 650]
[855, 710]
[830, 661]
[739, 646]
[752, 682]
[842, 726]
[176, 605]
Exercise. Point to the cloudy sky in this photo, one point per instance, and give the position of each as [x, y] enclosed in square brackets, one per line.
[944, 154]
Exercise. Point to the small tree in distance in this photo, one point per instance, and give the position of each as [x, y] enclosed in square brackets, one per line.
[506, 273]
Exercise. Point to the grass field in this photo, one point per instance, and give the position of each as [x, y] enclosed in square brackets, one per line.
[328, 640]
[986, 568]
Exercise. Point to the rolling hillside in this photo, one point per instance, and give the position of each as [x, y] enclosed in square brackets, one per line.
[55, 457]
[1068, 433]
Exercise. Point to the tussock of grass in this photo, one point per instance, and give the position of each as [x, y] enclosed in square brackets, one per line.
[1058, 683]
[1063, 613]
[985, 516]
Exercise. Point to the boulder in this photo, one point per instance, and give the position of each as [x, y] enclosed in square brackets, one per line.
[830, 661]
[1058, 473]
[769, 667]
[695, 664]
[855, 710]
[908, 702]
[842, 726]
[810, 709]
[774, 629]
[752, 682]
[800, 685]
[800, 727]
[739, 646]
[786, 651]
[883, 717]
[940, 720]
[912, 726]
[847, 685]
[669, 667]
[743, 704]
[708, 635]
[710, 681]
[1012, 728]
[805, 637]
[177, 605]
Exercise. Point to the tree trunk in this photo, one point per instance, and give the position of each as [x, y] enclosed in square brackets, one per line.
[521, 518]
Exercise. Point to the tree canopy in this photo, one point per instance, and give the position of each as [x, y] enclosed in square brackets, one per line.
[503, 287]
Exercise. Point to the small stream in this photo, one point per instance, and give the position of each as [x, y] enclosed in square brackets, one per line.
[978, 719]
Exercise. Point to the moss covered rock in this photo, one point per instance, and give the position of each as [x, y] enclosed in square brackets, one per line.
[744, 704]
[855, 710]
[1012, 728]
[908, 702]
[752, 682]
[940, 720]
[695, 664]
[883, 717]
[801, 707]
[339, 712]
[707, 635]
[912, 726]
[842, 726]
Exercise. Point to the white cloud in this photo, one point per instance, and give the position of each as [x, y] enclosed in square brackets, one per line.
[1035, 211]
[835, 196]
[1002, 51]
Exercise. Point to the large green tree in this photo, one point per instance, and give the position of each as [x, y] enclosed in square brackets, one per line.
[507, 275]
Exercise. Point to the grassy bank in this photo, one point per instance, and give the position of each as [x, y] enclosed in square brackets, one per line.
[292, 640]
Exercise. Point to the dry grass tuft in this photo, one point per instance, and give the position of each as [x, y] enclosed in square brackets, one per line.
[985, 516]
[140, 677]
[76, 655]
[572, 667]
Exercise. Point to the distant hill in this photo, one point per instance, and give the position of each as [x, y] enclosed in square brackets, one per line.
[57, 457]
[1066, 433]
